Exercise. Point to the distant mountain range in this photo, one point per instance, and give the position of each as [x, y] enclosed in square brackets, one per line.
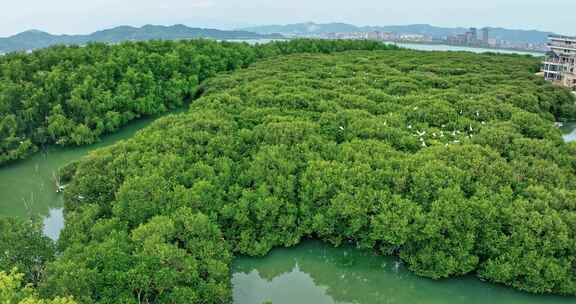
[35, 39]
[521, 36]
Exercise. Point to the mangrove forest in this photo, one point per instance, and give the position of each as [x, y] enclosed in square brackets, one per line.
[450, 161]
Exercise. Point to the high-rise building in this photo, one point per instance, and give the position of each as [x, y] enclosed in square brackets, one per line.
[485, 36]
[560, 63]
[473, 35]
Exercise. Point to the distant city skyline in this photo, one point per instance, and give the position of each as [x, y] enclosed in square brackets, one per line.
[81, 17]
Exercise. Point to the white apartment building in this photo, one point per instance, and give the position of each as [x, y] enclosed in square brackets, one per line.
[560, 63]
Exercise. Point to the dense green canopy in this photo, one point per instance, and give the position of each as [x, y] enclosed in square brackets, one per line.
[24, 247]
[73, 95]
[13, 290]
[449, 160]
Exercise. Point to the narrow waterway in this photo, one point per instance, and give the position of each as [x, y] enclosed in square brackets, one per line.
[316, 273]
[28, 188]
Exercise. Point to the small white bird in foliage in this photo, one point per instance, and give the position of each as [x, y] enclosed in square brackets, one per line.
[342, 128]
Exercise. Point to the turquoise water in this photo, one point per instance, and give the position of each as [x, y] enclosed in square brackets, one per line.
[569, 130]
[316, 273]
[28, 188]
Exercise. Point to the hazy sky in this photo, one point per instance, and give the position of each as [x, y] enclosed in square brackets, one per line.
[85, 16]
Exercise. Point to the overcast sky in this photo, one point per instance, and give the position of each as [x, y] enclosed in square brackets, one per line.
[85, 16]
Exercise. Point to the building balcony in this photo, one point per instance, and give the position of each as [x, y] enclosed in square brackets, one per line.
[562, 39]
[556, 64]
[560, 61]
[563, 46]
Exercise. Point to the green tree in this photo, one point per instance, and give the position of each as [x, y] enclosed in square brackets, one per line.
[25, 248]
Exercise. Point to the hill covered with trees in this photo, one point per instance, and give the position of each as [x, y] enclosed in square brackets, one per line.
[73, 95]
[449, 160]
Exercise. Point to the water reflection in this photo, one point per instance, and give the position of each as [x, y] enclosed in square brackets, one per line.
[317, 273]
[569, 131]
[291, 287]
[27, 187]
[54, 223]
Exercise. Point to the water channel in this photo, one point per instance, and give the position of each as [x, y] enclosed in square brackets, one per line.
[27, 187]
[316, 273]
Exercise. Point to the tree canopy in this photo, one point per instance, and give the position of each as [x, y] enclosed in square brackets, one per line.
[13, 291]
[24, 247]
[449, 160]
[73, 95]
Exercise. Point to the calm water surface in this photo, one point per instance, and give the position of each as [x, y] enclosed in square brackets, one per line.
[569, 130]
[443, 47]
[316, 273]
[27, 187]
[420, 47]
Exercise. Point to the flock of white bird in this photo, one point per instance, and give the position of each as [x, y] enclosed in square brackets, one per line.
[455, 133]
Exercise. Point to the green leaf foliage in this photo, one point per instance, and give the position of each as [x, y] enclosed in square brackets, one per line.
[449, 160]
[23, 246]
[74, 95]
[14, 291]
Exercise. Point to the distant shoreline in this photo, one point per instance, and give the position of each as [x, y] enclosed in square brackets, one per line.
[469, 46]
[438, 43]
[256, 40]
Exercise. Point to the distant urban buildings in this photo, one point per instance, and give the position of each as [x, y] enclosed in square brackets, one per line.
[473, 37]
[482, 38]
[379, 36]
[560, 62]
